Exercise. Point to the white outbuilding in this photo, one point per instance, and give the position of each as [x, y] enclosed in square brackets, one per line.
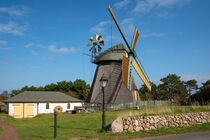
[28, 104]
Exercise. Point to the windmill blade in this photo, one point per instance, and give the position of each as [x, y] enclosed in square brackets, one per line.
[95, 43]
[91, 39]
[91, 48]
[101, 43]
[115, 20]
[135, 38]
[140, 71]
[100, 38]
[99, 48]
[95, 50]
[125, 62]
[96, 37]
[89, 44]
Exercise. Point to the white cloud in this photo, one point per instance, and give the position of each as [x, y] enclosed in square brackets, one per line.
[13, 28]
[99, 28]
[28, 45]
[200, 78]
[3, 42]
[128, 26]
[34, 53]
[121, 4]
[5, 48]
[145, 6]
[53, 48]
[14, 11]
[49, 58]
[154, 35]
[165, 15]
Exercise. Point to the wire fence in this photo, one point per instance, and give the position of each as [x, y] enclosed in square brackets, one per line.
[97, 107]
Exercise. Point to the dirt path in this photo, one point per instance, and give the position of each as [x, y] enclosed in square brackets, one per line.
[9, 132]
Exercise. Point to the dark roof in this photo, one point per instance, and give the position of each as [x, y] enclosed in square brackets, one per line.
[114, 53]
[42, 96]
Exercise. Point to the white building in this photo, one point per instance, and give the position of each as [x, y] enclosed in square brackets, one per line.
[31, 103]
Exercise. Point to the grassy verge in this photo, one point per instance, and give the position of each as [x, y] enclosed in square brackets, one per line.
[1, 130]
[89, 125]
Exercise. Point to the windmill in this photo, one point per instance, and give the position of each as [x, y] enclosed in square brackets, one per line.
[96, 42]
[127, 59]
[115, 63]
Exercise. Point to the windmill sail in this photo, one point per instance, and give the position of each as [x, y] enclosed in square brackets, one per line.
[127, 61]
[140, 71]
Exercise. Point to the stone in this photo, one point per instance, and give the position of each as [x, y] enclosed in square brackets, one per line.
[152, 127]
[152, 121]
[126, 127]
[117, 125]
[147, 125]
[136, 123]
[130, 128]
[138, 128]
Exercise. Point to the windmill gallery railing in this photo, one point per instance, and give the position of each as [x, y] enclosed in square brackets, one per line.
[96, 107]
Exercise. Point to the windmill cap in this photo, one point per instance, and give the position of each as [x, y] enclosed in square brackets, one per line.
[114, 53]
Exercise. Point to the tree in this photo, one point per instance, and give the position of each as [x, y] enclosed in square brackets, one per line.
[64, 86]
[81, 88]
[25, 88]
[51, 87]
[191, 85]
[15, 92]
[145, 94]
[203, 95]
[206, 83]
[4, 95]
[172, 88]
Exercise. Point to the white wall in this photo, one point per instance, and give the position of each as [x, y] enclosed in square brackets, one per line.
[11, 109]
[35, 109]
[42, 107]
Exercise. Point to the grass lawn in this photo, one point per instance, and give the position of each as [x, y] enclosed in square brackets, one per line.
[1, 129]
[89, 125]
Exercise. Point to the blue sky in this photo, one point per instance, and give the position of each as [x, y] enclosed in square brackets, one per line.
[43, 41]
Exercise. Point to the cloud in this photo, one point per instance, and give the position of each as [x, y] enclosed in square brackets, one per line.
[128, 26]
[154, 35]
[5, 48]
[200, 78]
[34, 53]
[53, 48]
[121, 4]
[99, 28]
[13, 28]
[165, 15]
[145, 6]
[28, 45]
[3, 42]
[17, 11]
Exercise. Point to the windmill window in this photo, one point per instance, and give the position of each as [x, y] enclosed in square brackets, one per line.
[47, 106]
[68, 106]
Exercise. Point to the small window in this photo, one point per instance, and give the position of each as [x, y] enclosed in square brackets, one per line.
[68, 106]
[47, 106]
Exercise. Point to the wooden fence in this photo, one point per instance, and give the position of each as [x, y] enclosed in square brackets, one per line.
[96, 107]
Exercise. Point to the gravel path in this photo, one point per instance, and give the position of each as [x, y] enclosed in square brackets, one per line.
[9, 132]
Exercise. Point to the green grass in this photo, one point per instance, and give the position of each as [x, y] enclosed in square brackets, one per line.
[89, 125]
[1, 129]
